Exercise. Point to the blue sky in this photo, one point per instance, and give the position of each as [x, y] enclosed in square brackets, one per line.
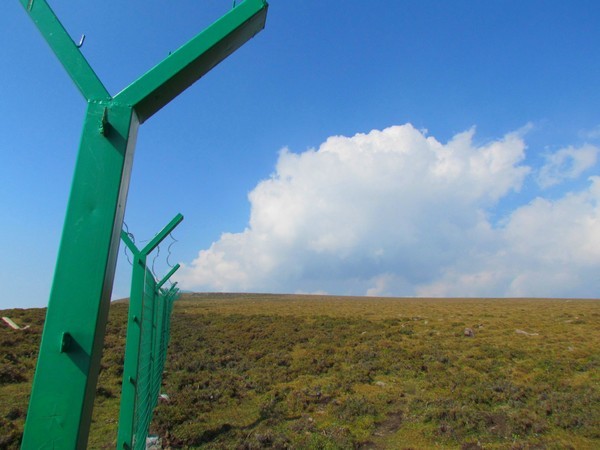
[478, 178]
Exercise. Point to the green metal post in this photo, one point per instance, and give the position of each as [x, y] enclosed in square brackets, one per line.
[139, 308]
[158, 367]
[143, 388]
[60, 413]
[170, 296]
[160, 338]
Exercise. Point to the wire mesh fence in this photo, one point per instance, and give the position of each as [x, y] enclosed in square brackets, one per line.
[156, 312]
[147, 341]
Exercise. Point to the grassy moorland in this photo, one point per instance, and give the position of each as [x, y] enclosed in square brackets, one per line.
[267, 371]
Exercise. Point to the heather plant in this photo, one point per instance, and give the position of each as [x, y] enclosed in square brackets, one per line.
[254, 371]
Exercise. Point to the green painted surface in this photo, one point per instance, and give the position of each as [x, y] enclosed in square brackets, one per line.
[186, 65]
[150, 365]
[61, 401]
[65, 50]
[64, 384]
[143, 328]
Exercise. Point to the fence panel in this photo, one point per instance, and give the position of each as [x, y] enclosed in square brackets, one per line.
[146, 345]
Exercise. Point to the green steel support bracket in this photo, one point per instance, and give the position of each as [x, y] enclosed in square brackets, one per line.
[167, 276]
[173, 288]
[137, 308]
[60, 413]
[129, 243]
[162, 234]
[186, 65]
[65, 50]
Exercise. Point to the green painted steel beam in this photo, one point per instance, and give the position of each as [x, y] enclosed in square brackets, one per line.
[157, 363]
[65, 50]
[173, 287]
[60, 413]
[162, 234]
[167, 276]
[129, 243]
[190, 62]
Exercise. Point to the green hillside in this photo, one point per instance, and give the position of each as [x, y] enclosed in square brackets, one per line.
[248, 371]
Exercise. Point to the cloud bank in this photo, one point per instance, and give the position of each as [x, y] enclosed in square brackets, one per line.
[396, 212]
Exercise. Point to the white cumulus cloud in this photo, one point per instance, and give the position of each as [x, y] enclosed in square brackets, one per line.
[547, 248]
[396, 212]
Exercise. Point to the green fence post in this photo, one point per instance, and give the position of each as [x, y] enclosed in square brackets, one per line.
[143, 388]
[155, 361]
[59, 413]
[141, 311]
[172, 295]
[158, 366]
[160, 347]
